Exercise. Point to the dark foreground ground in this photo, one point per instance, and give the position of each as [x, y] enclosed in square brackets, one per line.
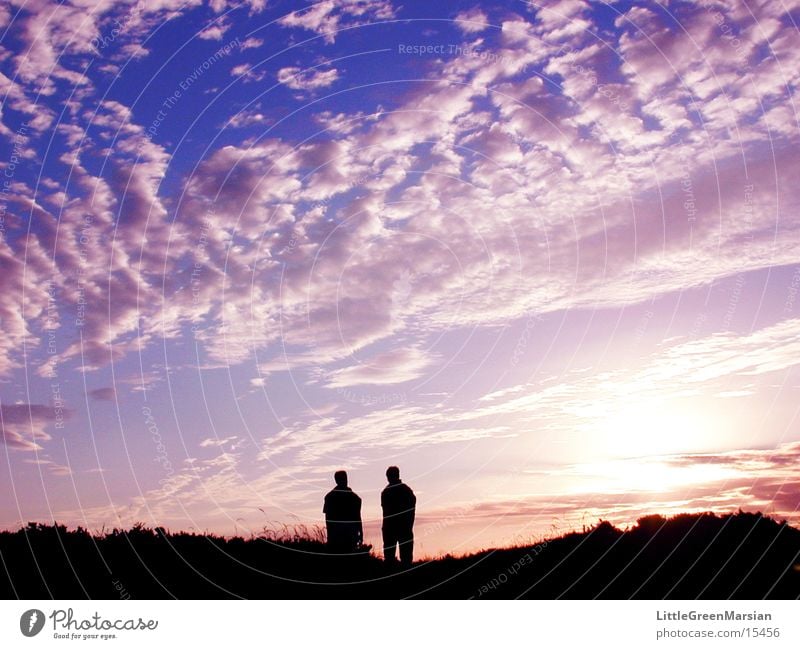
[740, 556]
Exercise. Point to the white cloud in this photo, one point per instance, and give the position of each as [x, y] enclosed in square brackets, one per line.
[309, 79]
[215, 30]
[249, 117]
[246, 73]
[215, 442]
[472, 21]
[327, 18]
[251, 43]
[387, 368]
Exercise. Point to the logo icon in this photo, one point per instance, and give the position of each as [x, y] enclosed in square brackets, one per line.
[31, 622]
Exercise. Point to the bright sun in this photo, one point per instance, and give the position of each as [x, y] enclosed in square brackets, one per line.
[655, 429]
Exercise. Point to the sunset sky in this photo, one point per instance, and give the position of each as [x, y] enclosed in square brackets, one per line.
[544, 256]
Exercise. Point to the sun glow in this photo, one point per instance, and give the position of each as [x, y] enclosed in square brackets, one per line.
[655, 474]
[655, 429]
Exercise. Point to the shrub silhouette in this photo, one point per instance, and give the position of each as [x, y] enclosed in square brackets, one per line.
[688, 556]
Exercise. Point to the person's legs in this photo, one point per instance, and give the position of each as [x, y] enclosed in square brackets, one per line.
[389, 542]
[406, 548]
[333, 538]
[338, 540]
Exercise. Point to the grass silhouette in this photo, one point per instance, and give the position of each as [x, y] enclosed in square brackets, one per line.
[739, 556]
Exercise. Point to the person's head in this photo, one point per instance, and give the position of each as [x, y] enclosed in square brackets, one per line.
[341, 478]
[393, 474]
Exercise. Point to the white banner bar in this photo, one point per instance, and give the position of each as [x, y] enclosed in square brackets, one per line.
[398, 624]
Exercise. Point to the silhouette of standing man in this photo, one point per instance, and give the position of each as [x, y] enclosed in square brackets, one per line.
[398, 503]
[342, 511]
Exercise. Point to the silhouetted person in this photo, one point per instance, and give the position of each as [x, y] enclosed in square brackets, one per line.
[398, 503]
[343, 516]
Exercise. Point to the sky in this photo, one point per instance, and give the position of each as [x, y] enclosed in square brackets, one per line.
[543, 256]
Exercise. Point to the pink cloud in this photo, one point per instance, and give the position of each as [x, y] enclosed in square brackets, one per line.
[327, 18]
[489, 192]
[387, 368]
[24, 424]
[471, 21]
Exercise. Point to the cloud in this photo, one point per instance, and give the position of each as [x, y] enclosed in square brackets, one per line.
[16, 96]
[103, 394]
[388, 424]
[210, 442]
[217, 490]
[387, 368]
[596, 404]
[328, 18]
[50, 466]
[490, 190]
[46, 30]
[558, 20]
[59, 38]
[24, 424]
[16, 280]
[251, 43]
[249, 117]
[472, 21]
[247, 74]
[307, 80]
[539, 155]
[546, 245]
[215, 30]
[689, 484]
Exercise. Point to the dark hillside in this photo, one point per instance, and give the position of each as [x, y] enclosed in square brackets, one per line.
[740, 556]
